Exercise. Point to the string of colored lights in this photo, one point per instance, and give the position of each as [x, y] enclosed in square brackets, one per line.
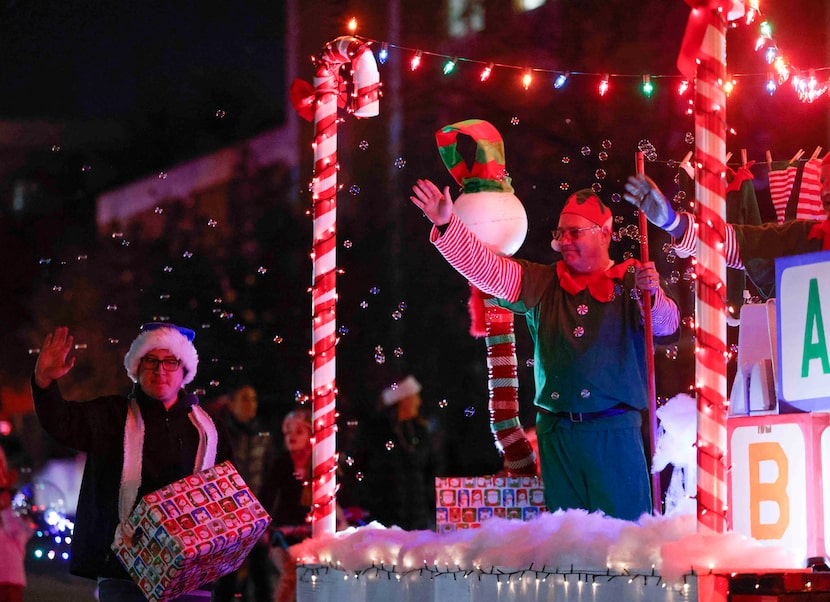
[808, 84]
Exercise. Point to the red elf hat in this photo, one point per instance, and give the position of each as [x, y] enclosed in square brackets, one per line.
[588, 205]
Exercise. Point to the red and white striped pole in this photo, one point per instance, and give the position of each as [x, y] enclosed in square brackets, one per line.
[648, 327]
[710, 348]
[328, 87]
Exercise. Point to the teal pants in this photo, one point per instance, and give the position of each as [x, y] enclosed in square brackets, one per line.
[595, 465]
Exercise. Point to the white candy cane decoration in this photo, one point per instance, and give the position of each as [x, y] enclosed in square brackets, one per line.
[328, 90]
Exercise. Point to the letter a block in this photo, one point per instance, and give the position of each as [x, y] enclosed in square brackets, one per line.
[803, 331]
[780, 480]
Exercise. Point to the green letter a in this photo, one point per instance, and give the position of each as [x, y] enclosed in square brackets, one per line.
[817, 349]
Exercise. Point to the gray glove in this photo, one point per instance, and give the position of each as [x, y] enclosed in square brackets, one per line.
[642, 192]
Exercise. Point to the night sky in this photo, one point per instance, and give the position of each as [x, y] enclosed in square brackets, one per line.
[94, 58]
[165, 70]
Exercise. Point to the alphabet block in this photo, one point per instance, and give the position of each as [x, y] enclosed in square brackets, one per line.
[803, 327]
[780, 479]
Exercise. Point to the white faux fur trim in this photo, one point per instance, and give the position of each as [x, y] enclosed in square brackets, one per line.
[208, 438]
[403, 388]
[131, 470]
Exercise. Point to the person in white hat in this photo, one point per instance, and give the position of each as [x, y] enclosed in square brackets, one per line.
[405, 395]
[134, 444]
[401, 459]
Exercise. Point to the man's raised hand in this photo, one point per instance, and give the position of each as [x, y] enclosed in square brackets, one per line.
[436, 205]
[52, 363]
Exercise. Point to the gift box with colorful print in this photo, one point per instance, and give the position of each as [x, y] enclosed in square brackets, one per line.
[190, 532]
[466, 502]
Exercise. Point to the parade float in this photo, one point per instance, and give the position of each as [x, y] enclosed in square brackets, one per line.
[748, 521]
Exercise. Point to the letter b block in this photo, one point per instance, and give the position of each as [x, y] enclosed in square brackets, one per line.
[780, 479]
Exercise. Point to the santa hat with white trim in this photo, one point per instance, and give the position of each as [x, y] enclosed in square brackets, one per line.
[400, 390]
[163, 335]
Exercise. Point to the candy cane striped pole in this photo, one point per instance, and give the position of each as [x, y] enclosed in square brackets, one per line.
[710, 190]
[328, 86]
[503, 383]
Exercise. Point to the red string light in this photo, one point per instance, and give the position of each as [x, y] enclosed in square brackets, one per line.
[527, 79]
[416, 60]
[603, 85]
[485, 73]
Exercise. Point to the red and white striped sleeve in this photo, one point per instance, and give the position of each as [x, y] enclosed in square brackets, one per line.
[665, 317]
[686, 245]
[493, 274]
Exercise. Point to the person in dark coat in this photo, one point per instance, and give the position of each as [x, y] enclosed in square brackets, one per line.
[400, 459]
[134, 444]
[253, 452]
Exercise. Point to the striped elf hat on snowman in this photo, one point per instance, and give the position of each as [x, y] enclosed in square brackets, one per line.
[487, 205]
[488, 172]
[491, 211]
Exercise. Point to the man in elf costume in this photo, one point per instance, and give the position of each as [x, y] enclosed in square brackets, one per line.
[134, 444]
[585, 320]
[750, 247]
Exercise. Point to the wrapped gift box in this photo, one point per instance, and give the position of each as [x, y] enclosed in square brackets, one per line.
[466, 502]
[190, 532]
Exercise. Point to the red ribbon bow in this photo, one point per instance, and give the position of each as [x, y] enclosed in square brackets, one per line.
[302, 96]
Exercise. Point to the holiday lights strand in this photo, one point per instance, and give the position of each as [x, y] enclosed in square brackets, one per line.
[710, 136]
[328, 87]
[805, 82]
[503, 384]
[310, 573]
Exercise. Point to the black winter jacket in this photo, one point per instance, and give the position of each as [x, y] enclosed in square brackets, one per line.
[97, 428]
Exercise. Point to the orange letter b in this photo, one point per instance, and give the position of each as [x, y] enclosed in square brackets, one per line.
[775, 491]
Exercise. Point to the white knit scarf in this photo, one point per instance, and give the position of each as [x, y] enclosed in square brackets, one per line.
[134, 447]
